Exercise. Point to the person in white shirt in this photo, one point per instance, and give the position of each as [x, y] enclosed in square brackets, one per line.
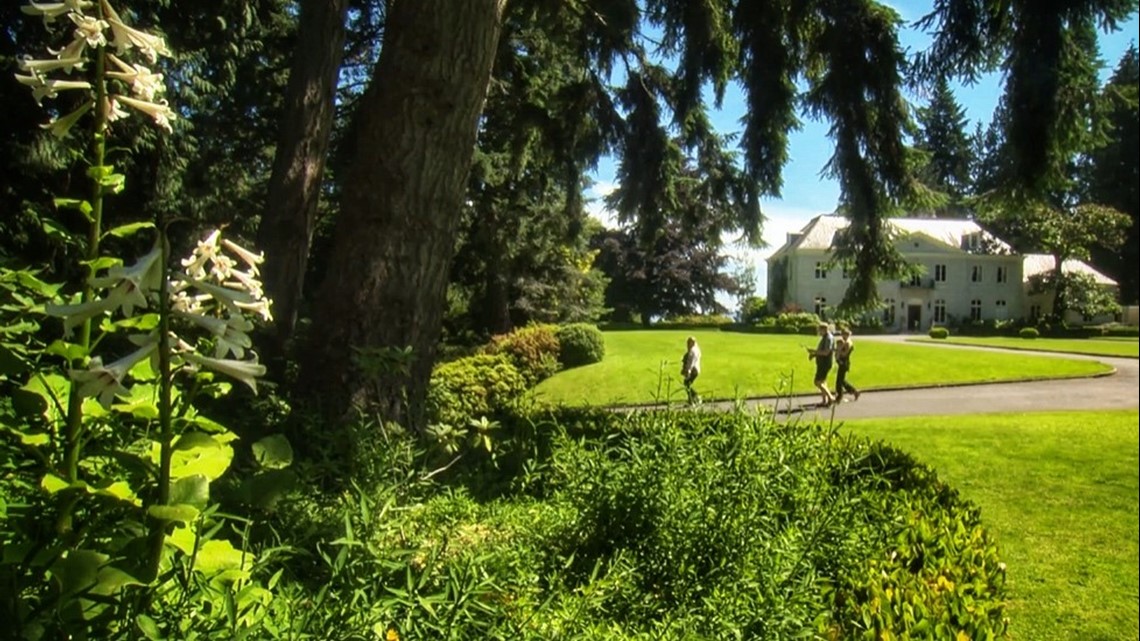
[691, 368]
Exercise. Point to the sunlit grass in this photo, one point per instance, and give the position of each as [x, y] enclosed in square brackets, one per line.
[644, 366]
[1060, 492]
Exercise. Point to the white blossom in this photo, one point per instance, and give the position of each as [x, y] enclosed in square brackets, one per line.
[143, 83]
[159, 111]
[125, 38]
[90, 30]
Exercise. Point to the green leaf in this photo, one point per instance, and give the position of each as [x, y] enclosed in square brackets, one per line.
[124, 231]
[82, 206]
[264, 489]
[53, 484]
[197, 453]
[181, 513]
[184, 539]
[219, 555]
[149, 628]
[44, 396]
[67, 351]
[119, 490]
[78, 571]
[273, 452]
[142, 402]
[191, 490]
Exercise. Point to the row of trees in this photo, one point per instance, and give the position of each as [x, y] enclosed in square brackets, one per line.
[391, 157]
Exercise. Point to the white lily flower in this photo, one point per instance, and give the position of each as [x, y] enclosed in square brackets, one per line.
[112, 111]
[246, 282]
[245, 371]
[48, 88]
[222, 267]
[212, 324]
[246, 256]
[98, 381]
[259, 307]
[183, 302]
[60, 126]
[106, 382]
[230, 298]
[75, 315]
[144, 84]
[27, 63]
[75, 49]
[52, 10]
[160, 111]
[125, 37]
[131, 284]
[89, 29]
[206, 250]
[234, 340]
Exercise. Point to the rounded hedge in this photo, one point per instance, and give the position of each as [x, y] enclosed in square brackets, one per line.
[1029, 332]
[939, 332]
[581, 344]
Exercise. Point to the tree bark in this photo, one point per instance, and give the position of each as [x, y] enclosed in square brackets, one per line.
[400, 210]
[286, 230]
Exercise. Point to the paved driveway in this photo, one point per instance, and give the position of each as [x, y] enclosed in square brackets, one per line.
[1120, 390]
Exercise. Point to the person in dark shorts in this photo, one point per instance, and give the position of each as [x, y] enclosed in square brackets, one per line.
[691, 368]
[844, 345]
[823, 355]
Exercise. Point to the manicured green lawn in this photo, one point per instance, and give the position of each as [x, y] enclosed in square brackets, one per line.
[1123, 347]
[1060, 492]
[644, 367]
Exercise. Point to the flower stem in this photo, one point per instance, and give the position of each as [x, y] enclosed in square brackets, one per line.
[73, 438]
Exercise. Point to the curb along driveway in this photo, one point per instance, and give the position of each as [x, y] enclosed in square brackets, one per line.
[1120, 390]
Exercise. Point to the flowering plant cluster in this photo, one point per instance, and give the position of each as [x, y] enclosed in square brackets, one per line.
[93, 23]
[212, 293]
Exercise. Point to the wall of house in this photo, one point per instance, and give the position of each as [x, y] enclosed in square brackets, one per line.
[914, 306]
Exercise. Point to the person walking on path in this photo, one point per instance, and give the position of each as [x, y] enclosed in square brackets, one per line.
[691, 368]
[822, 354]
[844, 345]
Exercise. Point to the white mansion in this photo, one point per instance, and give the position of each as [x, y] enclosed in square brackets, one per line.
[968, 274]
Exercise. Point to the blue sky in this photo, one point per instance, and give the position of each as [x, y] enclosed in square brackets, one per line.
[806, 194]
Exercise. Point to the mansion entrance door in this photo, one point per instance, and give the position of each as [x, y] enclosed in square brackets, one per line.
[914, 318]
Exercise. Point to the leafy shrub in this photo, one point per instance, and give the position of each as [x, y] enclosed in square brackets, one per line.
[1117, 329]
[794, 323]
[581, 343]
[473, 387]
[1028, 332]
[753, 310]
[939, 332]
[697, 320]
[534, 350]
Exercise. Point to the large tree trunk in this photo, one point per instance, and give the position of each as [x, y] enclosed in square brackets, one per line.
[286, 229]
[396, 232]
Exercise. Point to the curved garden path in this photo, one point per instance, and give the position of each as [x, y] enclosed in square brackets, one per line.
[1119, 390]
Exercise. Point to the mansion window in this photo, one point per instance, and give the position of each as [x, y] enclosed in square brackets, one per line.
[820, 271]
[1034, 312]
[1002, 274]
[975, 310]
[916, 280]
[889, 312]
[1002, 311]
[976, 274]
[940, 311]
[940, 273]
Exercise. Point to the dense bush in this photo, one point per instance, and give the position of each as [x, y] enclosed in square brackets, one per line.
[1028, 332]
[939, 332]
[533, 349]
[581, 344]
[753, 310]
[696, 320]
[1117, 329]
[473, 387]
[798, 322]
